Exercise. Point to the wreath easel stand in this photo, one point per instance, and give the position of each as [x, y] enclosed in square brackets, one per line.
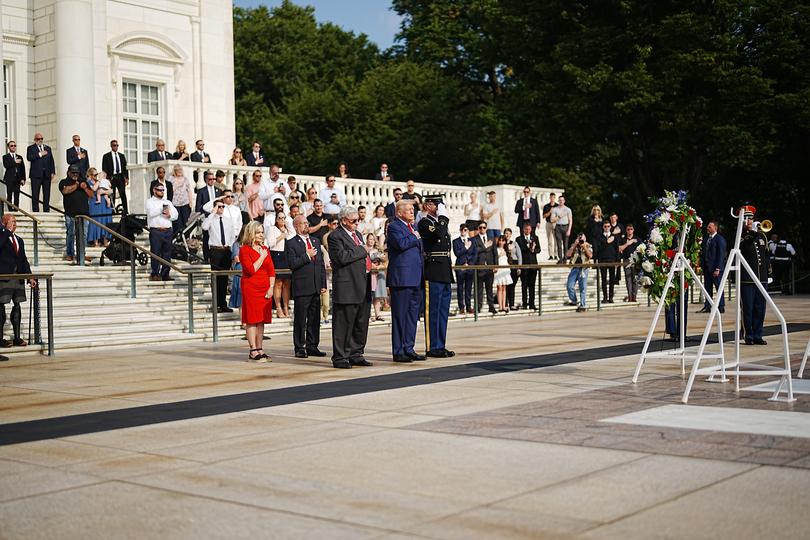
[680, 265]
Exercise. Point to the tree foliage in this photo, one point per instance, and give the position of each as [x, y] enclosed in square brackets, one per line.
[613, 100]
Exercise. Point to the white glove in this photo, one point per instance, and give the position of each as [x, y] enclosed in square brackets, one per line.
[442, 211]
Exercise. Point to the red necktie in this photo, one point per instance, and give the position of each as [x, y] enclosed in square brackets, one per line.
[410, 228]
[368, 259]
[309, 246]
[16, 247]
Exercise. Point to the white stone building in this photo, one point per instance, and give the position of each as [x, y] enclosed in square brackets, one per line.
[133, 70]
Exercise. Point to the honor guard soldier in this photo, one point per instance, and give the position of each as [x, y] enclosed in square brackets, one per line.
[754, 249]
[782, 253]
[438, 274]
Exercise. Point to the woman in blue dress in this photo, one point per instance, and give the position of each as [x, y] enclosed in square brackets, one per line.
[100, 209]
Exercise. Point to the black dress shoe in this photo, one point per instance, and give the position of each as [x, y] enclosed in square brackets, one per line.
[436, 353]
[315, 352]
[341, 364]
[722, 310]
[415, 356]
[360, 362]
[703, 310]
[224, 310]
[300, 354]
[448, 354]
[760, 341]
[402, 358]
[493, 311]
[749, 341]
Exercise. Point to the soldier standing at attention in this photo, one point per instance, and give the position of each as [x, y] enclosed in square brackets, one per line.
[438, 273]
[754, 249]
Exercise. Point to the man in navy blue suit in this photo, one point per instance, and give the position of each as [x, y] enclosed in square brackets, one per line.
[305, 259]
[12, 261]
[465, 253]
[404, 278]
[255, 158]
[41, 172]
[713, 262]
[77, 155]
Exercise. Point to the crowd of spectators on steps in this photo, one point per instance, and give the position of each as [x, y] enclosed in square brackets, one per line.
[227, 202]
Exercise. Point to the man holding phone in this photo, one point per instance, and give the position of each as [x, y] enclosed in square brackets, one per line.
[160, 213]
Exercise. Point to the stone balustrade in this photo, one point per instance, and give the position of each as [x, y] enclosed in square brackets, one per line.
[368, 193]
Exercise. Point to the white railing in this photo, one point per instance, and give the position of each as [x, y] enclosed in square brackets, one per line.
[368, 193]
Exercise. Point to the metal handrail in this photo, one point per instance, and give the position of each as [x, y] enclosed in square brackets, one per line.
[36, 221]
[49, 296]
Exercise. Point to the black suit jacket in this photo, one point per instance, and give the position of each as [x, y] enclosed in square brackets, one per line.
[483, 254]
[202, 198]
[350, 282]
[108, 167]
[155, 156]
[73, 158]
[529, 256]
[251, 160]
[534, 213]
[195, 156]
[378, 176]
[12, 262]
[308, 276]
[41, 167]
[605, 251]
[15, 172]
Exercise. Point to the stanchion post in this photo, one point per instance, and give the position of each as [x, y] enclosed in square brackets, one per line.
[475, 295]
[133, 293]
[49, 296]
[539, 290]
[598, 287]
[214, 306]
[78, 237]
[36, 243]
[190, 302]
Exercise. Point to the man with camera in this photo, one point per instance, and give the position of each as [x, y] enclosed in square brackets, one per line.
[579, 254]
[75, 196]
[160, 213]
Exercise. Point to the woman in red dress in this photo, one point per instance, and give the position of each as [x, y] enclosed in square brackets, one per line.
[258, 278]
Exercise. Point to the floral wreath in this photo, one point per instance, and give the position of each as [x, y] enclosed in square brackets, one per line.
[653, 258]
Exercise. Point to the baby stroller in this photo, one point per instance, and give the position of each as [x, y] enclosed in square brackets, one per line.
[186, 242]
[129, 226]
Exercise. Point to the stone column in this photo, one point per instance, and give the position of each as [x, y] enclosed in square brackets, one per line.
[75, 84]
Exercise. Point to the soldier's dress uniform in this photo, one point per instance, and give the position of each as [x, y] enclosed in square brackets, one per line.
[754, 249]
[439, 275]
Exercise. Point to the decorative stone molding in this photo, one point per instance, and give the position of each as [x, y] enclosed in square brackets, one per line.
[149, 48]
[13, 38]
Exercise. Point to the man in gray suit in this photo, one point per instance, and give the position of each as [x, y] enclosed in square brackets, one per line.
[351, 292]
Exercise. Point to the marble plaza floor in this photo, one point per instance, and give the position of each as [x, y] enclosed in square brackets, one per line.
[534, 430]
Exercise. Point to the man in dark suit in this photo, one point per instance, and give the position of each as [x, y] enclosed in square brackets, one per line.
[14, 174]
[160, 178]
[42, 171]
[713, 262]
[607, 251]
[465, 253]
[306, 261]
[529, 246]
[204, 195]
[12, 261]
[255, 158]
[383, 174]
[199, 156]
[527, 209]
[404, 277]
[351, 291]
[77, 155]
[159, 153]
[484, 256]
[390, 208]
[114, 165]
